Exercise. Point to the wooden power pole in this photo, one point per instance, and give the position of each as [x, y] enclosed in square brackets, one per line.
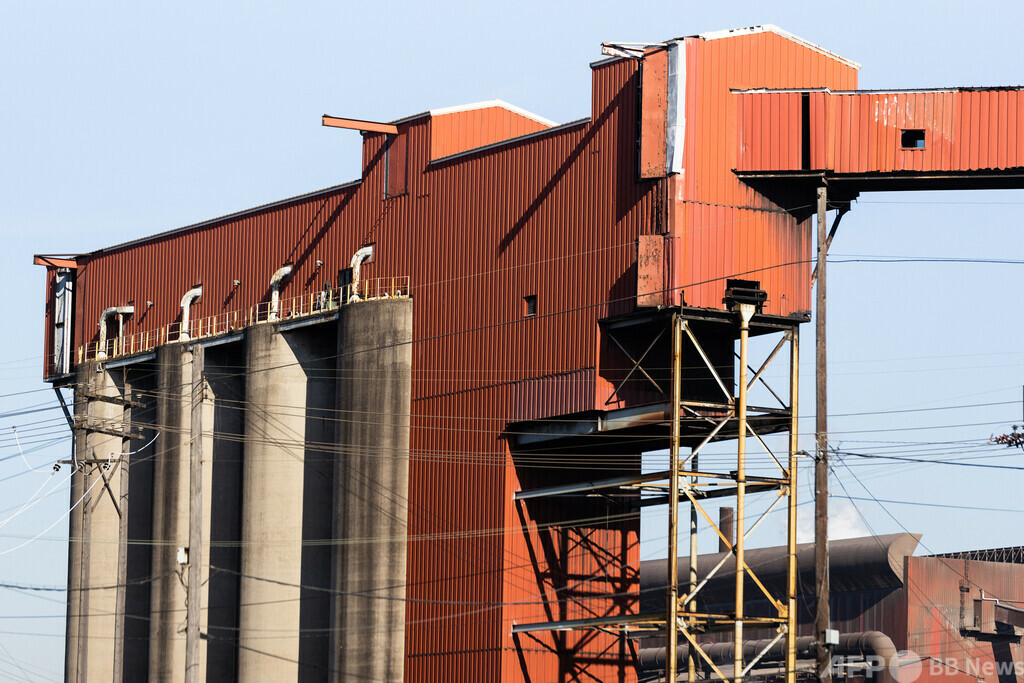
[195, 519]
[821, 577]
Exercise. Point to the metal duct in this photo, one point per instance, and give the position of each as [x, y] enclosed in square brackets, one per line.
[275, 289]
[186, 304]
[357, 261]
[101, 349]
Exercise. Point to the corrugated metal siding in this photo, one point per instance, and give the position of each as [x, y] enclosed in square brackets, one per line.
[770, 131]
[461, 131]
[713, 242]
[964, 131]
[713, 70]
[722, 227]
[934, 613]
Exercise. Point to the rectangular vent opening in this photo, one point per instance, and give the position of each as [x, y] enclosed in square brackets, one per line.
[912, 138]
[530, 305]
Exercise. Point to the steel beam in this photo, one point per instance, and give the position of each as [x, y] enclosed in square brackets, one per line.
[590, 486]
[360, 125]
[672, 596]
[791, 523]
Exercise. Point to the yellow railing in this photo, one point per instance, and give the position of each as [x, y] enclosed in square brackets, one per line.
[300, 306]
[377, 288]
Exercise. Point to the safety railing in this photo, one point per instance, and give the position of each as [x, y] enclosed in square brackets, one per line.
[376, 288]
[304, 305]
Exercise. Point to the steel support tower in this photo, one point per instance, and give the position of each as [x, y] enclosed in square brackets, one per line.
[708, 402]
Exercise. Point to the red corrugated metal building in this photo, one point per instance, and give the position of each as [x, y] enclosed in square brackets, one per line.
[483, 207]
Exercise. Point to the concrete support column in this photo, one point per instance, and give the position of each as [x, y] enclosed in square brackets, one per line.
[374, 404]
[95, 530]
[276, 490]
[75, 638]
[170, 511]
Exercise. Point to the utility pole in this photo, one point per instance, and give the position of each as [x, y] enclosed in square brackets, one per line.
[821, 575]
[672, 597]
[122, 538]
[195, 519]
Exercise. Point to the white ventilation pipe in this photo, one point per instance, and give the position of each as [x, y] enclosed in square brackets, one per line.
[275, 289]
[357, 260]
[186, 304]
[101, 348]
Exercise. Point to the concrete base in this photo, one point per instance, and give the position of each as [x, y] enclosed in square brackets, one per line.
[303, 514]
[374, 405]
[285, 497]
[170, 512]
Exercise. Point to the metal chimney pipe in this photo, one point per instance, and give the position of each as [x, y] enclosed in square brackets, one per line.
[727, 524]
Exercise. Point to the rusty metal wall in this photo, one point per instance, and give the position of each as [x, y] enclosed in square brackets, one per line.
[461, 131]
[963, 129]
[770, 131]
[654, 107]
[714, 69]
[721, 227]
[860, 132]
[934, 595]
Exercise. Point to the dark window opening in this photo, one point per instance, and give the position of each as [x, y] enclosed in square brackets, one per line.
[530, 305]
[912, 138]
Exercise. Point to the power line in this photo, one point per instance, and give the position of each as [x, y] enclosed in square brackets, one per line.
[954, 463]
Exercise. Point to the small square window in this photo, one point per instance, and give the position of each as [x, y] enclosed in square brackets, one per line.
[912, 138]
[530, 305]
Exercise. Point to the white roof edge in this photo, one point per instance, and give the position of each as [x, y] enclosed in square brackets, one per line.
[772, 28]
[481, 105]
[745, 91]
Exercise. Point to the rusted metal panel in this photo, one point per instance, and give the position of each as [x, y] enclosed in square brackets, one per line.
[940, 593]
[459, 131]
[654, 114]
[397, 160]
[717, 68]
[932, 131]
[770, 131]
[650, 271]
[714, 243]
[963, 130]
[721, 227]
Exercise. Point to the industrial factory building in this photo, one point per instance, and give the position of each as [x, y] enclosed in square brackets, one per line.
[392, 429]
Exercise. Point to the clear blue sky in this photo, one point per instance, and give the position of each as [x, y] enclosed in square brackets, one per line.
[122, 120]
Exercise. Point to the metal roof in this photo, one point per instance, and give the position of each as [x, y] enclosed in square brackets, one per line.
[1011, 555]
